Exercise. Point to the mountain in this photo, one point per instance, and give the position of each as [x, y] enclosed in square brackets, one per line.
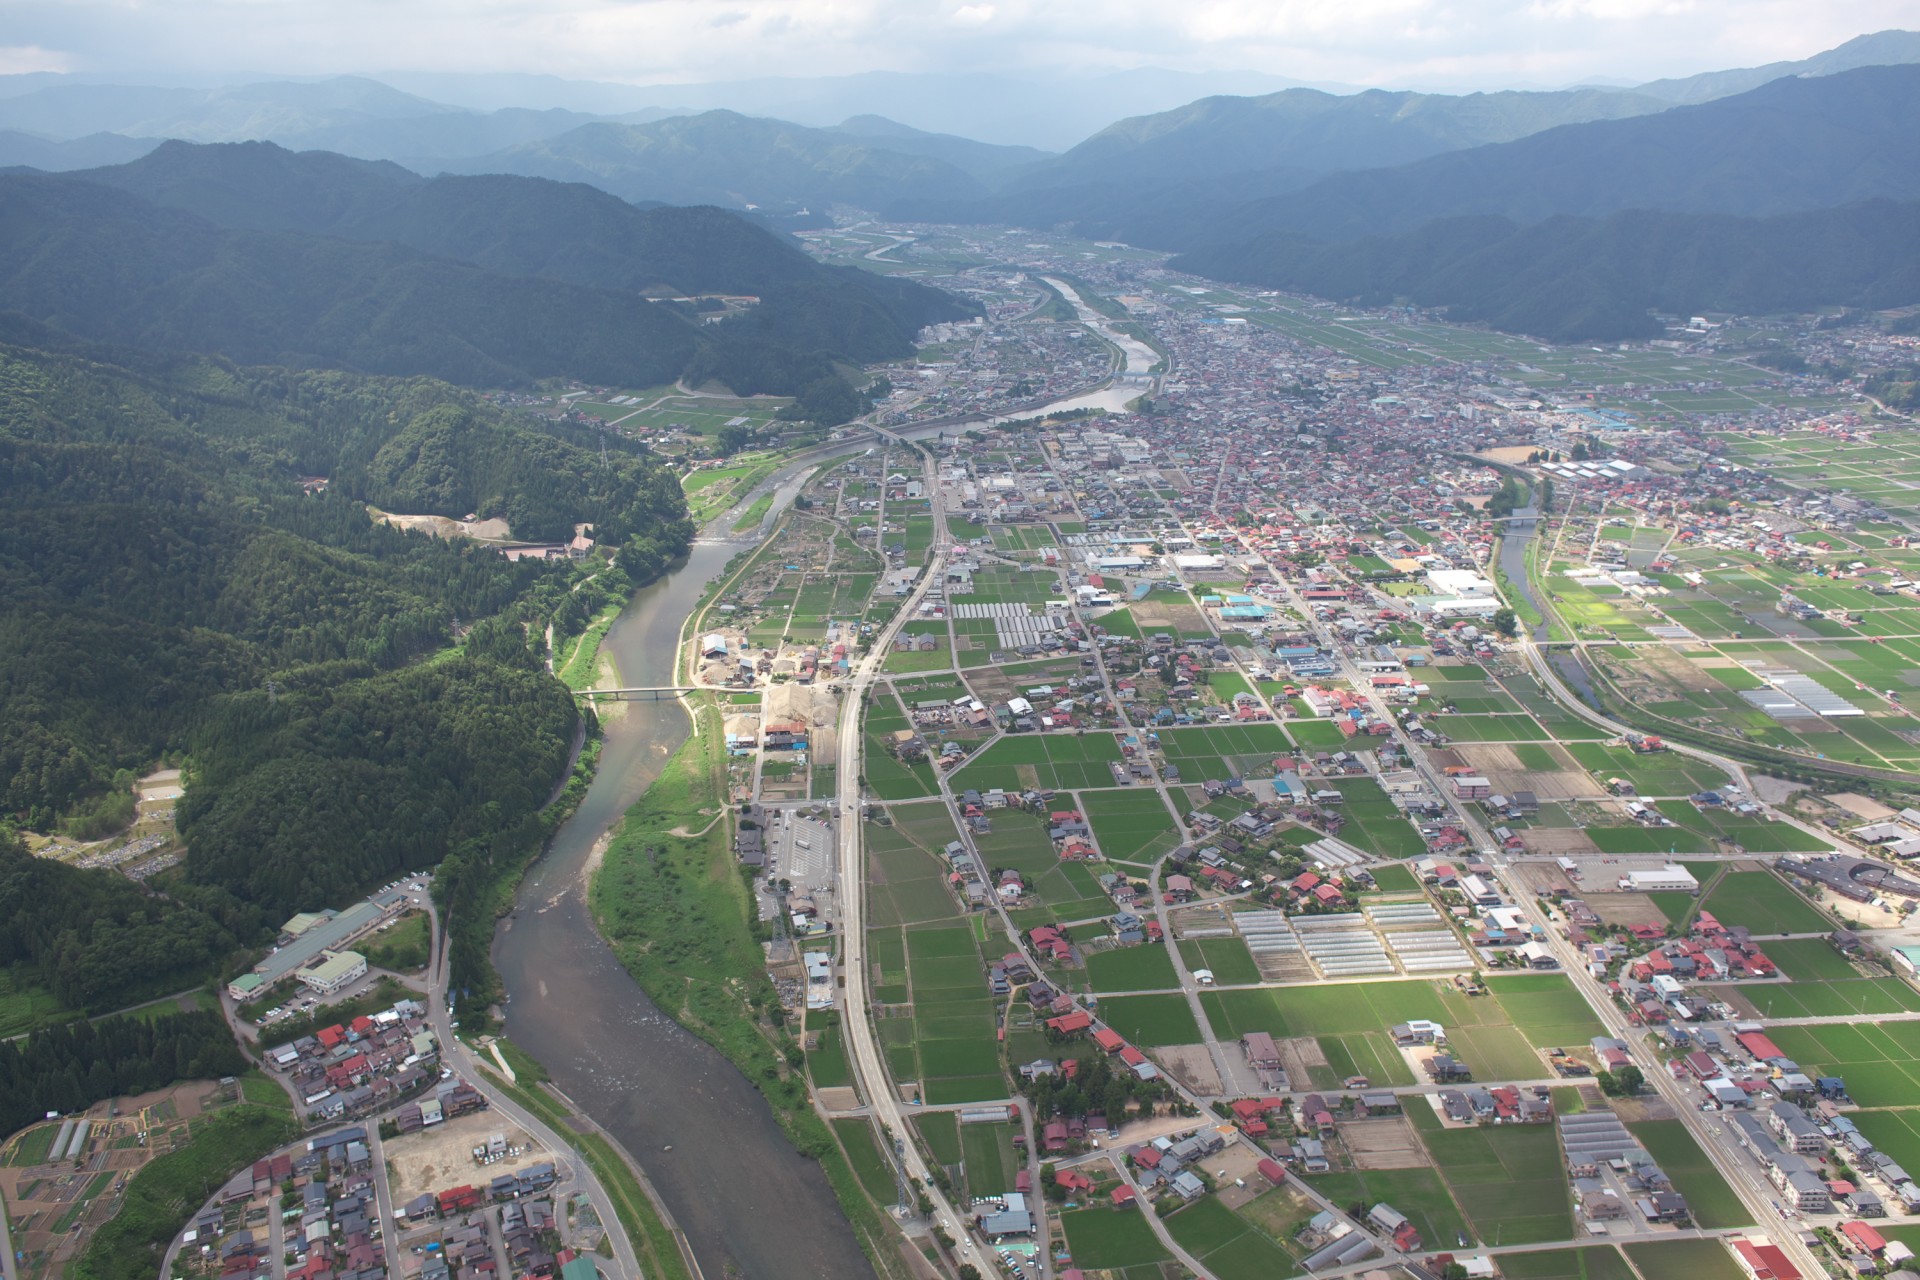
[725, 158]
[1790, 145]
[110, 267]
[167, 588]
[1569, 279]
[27, 150]
[984, 161]
[566, 232]
[1307, 130]
[350, 114]
[1049, 109]
[1882, 48]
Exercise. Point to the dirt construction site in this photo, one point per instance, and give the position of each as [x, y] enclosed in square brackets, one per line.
[433, 1160]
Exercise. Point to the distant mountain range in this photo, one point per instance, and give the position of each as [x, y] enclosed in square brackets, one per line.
[1795, 195]
[272, 257]
[1300, 186]
[1570, 279]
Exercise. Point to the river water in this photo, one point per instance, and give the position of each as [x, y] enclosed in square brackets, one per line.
[1514, 542]
[750, 1204]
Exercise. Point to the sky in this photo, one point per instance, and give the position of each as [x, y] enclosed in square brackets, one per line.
[1444, 44]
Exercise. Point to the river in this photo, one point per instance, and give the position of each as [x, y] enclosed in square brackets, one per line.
[751, 1205]
[1514, 542]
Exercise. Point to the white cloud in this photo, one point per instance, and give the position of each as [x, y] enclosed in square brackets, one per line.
[1462, 43]
[21, 59]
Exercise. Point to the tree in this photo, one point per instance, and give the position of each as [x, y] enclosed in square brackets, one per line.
[1622, 1083]
[1505, 622]
[731, 439]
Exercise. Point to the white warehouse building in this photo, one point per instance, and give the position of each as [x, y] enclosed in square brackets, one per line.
[1667, 879]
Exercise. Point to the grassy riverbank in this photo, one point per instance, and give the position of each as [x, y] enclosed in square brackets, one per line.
[678, 914]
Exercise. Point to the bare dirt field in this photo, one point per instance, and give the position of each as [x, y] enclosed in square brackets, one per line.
[1862, 807]
[1648, 1106]
[1203, 918]
[1383, 1144]
[1625, 909]
[1504, 771]
[1192, 1066]
[1299, 1054]
[1557, 841]
[1234, 1166]
[494, 530]
[441, 1157]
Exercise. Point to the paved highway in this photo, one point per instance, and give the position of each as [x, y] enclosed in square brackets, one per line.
[869, 1064]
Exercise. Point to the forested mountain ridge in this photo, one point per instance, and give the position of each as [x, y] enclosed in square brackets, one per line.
[1308, 130]
[112, 268]
[1585, 279]
[167, 589]
[809, 317]
[723, 157]
[1787, 146]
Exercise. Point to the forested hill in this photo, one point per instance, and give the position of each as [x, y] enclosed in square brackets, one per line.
[1788, 146]
[110, 267]
[1599, 279]
[166, 588]
[563, 231]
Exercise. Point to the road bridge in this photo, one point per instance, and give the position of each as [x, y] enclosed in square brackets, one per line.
[637, 693]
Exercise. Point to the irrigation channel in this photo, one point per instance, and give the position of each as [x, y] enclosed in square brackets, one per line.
[750, 1205]
[1514, 544]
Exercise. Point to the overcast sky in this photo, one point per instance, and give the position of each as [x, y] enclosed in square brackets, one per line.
[1436, 43]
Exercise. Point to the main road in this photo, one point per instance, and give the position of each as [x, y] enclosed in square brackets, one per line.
[869, 1064]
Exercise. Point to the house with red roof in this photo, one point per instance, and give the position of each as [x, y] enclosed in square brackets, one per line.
[1072, 1180]
[1864, 1237]
[1123, 1196]
[1764, 1261]
[1109, 1039]
[1071, 1023]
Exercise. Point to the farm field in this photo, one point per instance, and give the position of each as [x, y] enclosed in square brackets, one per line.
[1878, 1062]
[1060, 761]
[1508, 1180]
[948, 1045]
[1375, 822]
[1104, 1239]
[1130, 826]
[1421, 1194]
[1763, 903]
[1142, 968]
[1225, 1243]
[1153, 1020]
[1216, 754]
[1595, 1262]
[1713, 1202]
[1684, 1260]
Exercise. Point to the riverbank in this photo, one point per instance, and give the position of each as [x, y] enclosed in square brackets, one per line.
[677, 911]
[661, 1250]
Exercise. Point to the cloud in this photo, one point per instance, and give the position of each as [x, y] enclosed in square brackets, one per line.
[23, 59]
[1462, 43]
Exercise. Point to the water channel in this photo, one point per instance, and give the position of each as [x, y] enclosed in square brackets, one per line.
[750, 1204]
[1514, 543]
